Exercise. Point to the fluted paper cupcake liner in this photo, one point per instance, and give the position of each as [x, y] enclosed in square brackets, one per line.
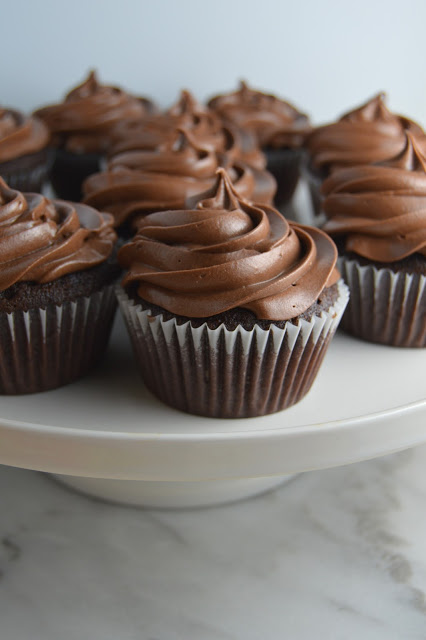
[229, 374]
[42, 349]
[384, 307]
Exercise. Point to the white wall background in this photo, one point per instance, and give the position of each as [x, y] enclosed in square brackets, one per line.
[324, 55]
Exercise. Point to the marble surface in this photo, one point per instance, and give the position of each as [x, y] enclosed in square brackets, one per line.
[337, 554]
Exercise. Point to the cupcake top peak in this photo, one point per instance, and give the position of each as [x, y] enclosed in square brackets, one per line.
[189, 113]
[224, 197]
[374, 109]
[88, 87]
[186, 104]
[245, 89]
[42, 239]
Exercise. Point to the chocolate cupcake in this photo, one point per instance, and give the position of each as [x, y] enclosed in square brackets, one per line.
[138, 182]
[82, 129]
[230, 308]
[377, 214]
[279, 128]
[23, 150]
[366, 135]
[57, 297]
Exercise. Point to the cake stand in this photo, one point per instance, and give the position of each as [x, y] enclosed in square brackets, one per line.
[107, 436]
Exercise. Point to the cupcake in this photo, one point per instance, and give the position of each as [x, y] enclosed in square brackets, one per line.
[23, 150]
[366, 135]
[138, 182]
[229, 307]
[377, 214]
[202, 123]
[57, 297]
[82, 129]
[279, 128]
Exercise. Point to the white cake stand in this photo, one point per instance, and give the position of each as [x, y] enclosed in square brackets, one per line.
[108, 436]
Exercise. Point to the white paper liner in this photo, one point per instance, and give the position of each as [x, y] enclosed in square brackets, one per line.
[384, 307]
[42, 349]
[223, 373]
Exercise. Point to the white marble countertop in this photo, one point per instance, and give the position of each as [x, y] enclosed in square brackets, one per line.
[337, 554]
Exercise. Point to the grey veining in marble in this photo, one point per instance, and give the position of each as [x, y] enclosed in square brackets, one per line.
[335, 555]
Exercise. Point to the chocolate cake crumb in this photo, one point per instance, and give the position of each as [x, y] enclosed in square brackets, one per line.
[238, 316]
[31, 295]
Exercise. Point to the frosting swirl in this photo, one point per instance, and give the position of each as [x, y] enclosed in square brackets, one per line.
[274, 122]
[20, 135]
[206, 128]
[380, 209]
[227, 253]
[368, 134]
[86, 120]
[142, 181]
[42, 240]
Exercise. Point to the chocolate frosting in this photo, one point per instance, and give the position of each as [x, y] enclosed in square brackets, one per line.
[20, 135]
[86, 120]
[42, 240]
[227, 253]
[138, 181]
[205, 127]
[275, 123]
[380, 209]
[368, 134]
